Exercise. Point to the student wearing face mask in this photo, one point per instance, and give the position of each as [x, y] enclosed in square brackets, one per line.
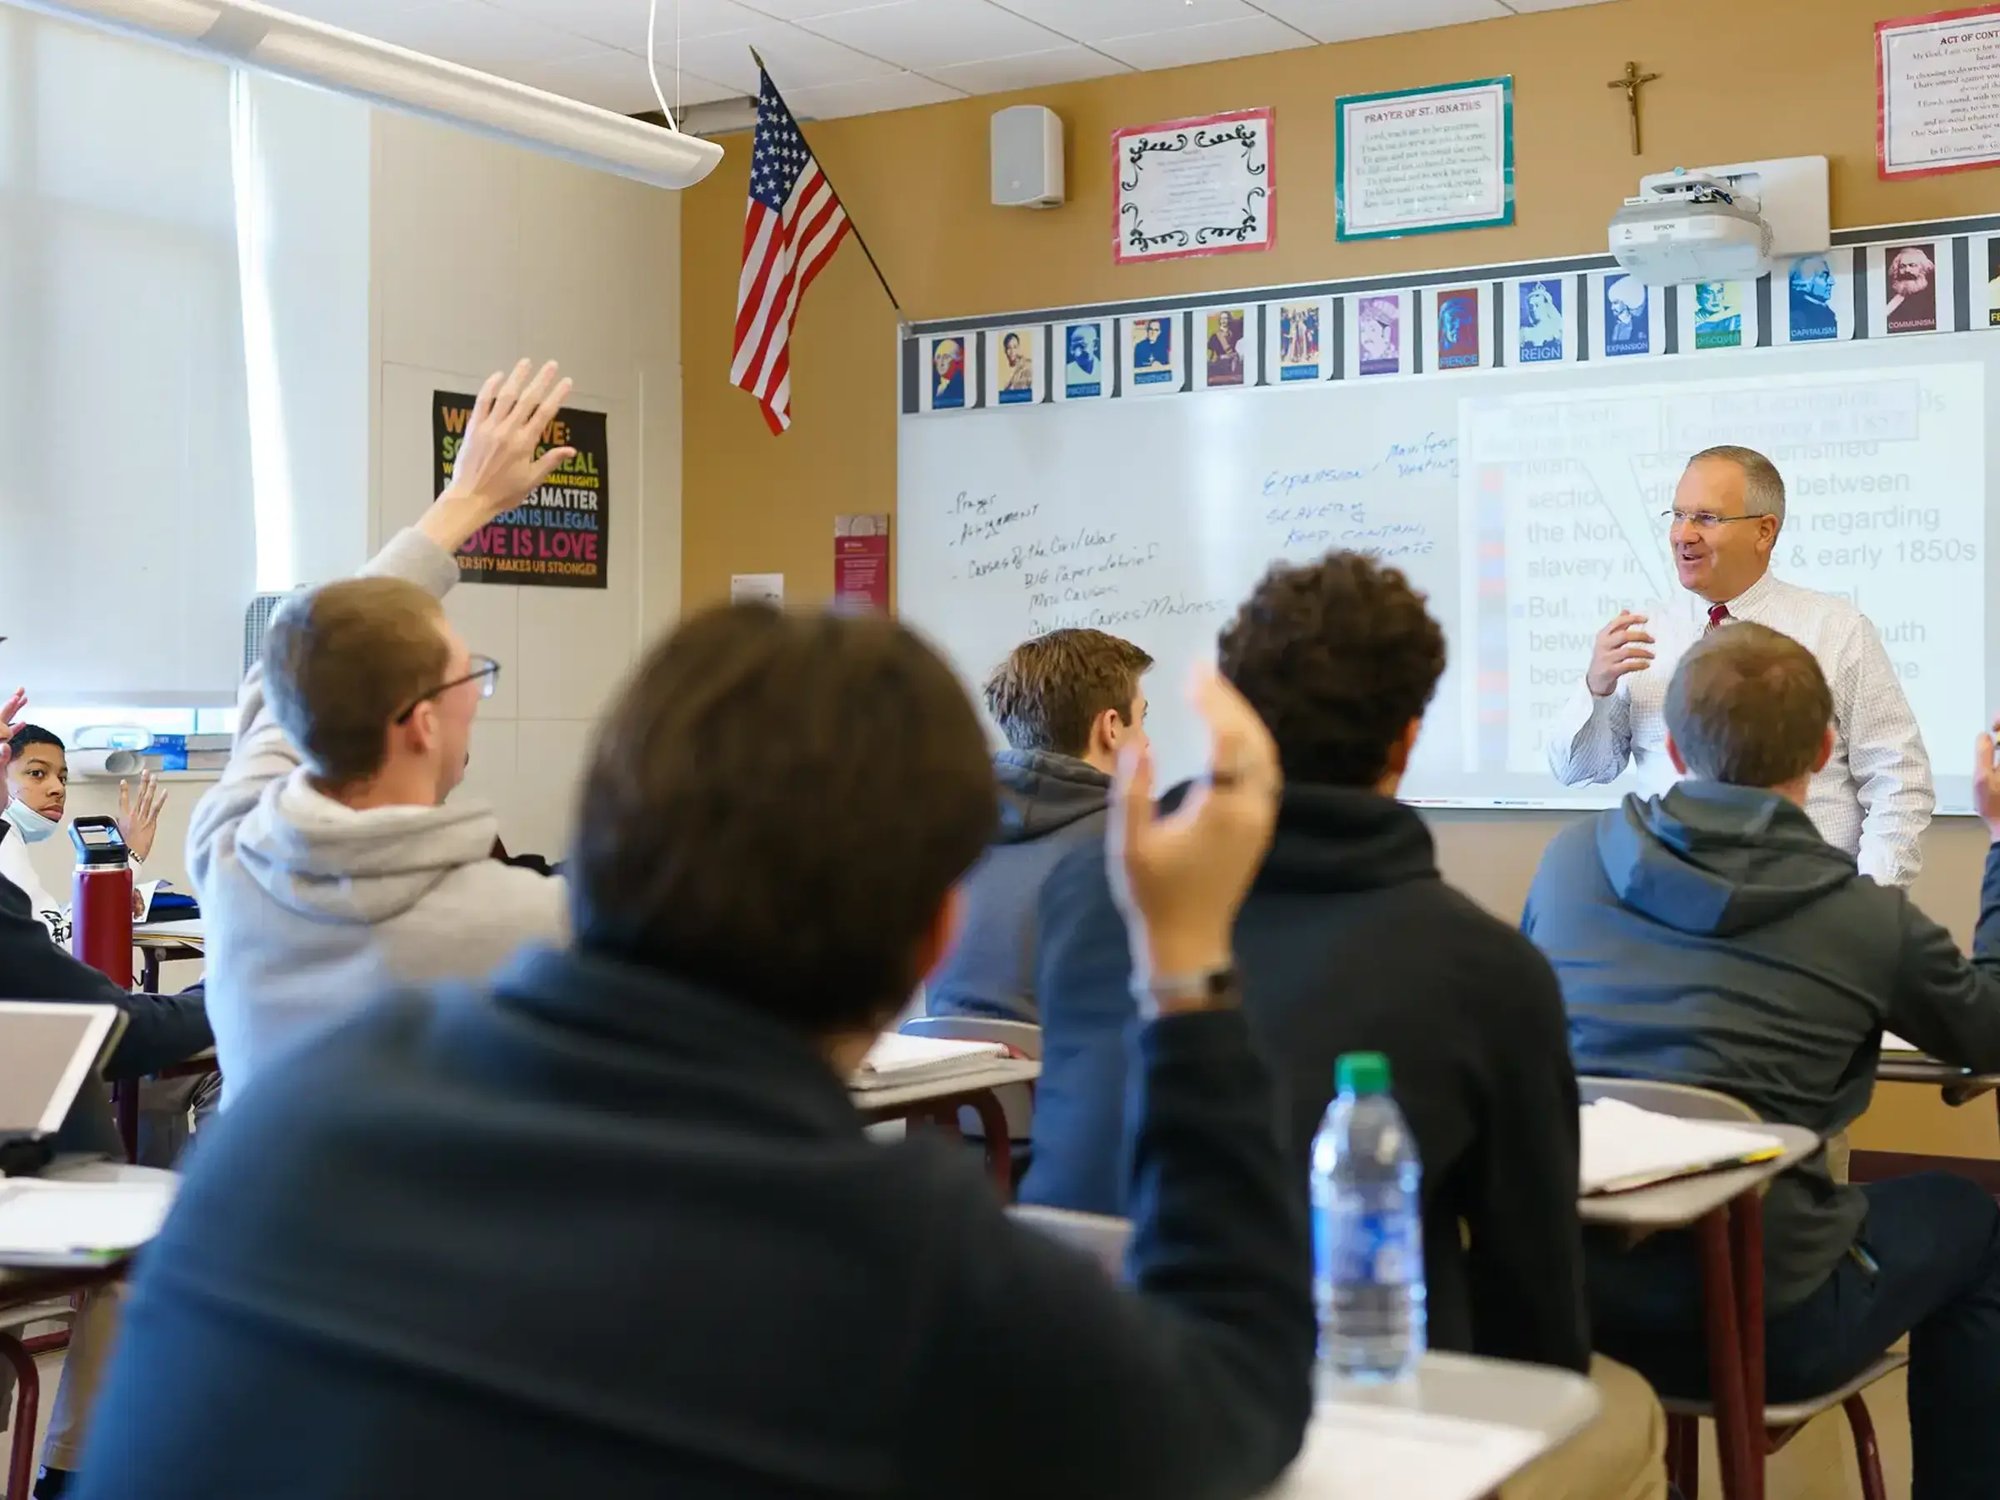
[38, 797]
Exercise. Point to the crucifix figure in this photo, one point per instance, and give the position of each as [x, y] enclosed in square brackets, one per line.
[1632, 82]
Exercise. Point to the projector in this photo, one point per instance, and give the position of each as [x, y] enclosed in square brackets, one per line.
[1691, 228]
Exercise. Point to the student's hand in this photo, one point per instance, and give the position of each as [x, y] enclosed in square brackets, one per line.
[496, 468]
[139, 819]
[1180, 879]
[9, 712]
[1986, 782]
[1621, 648]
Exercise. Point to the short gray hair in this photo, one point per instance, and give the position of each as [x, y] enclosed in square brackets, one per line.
[1763, 485]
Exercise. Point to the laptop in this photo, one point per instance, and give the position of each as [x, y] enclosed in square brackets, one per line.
[48, 1053]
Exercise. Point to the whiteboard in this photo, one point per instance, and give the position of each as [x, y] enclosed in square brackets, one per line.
[1526, 503]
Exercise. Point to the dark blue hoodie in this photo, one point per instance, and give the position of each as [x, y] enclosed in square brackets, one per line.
[1711, 937]
[1048, 805]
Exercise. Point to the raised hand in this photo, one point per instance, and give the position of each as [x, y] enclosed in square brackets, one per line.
[1621, 648]
[1179, 879]
[496, 467]
[139, 818]
[9, 712]
[1986, 782]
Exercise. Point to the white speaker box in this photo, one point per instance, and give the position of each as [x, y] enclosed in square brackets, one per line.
[1027, 157]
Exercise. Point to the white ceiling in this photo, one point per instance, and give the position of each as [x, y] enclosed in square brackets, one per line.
[842, 57]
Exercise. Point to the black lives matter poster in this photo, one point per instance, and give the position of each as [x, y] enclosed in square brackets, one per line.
[561, 536]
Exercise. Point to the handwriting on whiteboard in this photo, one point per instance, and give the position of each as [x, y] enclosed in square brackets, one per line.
[1433, 453]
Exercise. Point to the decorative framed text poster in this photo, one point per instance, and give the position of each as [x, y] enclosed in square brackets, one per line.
[1298, 337]
[1986, 268]
[1155, 354]
[1937, 92]
[1910, 287]
[1812, 298]
[1627, 317]
[1422, 160]
[1718, 315]
[1458, 324]
[1019, 360]
[1541, 320]
[1380, 334]
[560, 536]
[1194, 187]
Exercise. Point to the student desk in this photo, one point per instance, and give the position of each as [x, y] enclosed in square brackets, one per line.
[939, 1101]
[29, 1285]
[1359, 1435]
[166, 942]
[1958, 1085]
[1725, 1210]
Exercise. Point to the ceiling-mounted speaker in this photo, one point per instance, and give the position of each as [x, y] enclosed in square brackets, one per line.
[1027, 157]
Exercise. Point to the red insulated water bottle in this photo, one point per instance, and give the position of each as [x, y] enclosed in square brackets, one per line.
[101, 901]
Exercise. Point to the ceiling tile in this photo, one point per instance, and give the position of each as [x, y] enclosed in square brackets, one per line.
[904, 91]
[934, 33]
[1525, 5]
[797, 59]
[1095, 20]
[1028, 71]
[469, 32]
[1210, 43]
[616, 80]
[1346, 20]
[622, 23]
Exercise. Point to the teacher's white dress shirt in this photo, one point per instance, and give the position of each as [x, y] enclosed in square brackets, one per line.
[1875, 796]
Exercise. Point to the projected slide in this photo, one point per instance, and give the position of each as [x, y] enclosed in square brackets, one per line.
[1565, 495]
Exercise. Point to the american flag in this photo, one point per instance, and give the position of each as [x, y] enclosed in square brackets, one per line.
[791, 229]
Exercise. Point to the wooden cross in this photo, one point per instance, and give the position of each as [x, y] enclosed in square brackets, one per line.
[1632, 82]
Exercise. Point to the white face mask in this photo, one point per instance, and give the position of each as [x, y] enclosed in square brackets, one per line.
[31, 825]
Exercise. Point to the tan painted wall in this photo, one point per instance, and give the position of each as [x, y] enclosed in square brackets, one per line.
[1741, 79]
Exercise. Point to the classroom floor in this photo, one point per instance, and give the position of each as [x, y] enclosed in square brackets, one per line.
[1817, 1465]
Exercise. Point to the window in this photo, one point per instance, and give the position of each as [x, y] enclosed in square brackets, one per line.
[162, 290]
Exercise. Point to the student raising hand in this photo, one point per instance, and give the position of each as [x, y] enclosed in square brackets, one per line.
[139, 818]
[9, 712]
[1180, 878]
[500, 461]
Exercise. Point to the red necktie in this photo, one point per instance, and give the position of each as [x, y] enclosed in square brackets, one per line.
[1718, 614]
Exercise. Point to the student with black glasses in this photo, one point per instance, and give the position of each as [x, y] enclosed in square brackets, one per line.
[327, 862]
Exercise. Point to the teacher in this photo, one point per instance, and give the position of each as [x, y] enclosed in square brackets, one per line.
[1873, 798]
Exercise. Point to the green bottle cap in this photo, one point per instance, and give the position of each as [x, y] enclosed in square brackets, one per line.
[1362, 1073]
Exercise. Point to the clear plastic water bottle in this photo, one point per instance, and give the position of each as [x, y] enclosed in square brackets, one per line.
[1368, 1231]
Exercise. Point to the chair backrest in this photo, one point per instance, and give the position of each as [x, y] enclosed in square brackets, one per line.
[1023, 1039]
[1680, 1099]
[1097, 1235]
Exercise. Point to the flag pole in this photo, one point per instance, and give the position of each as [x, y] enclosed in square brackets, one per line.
[873, 263]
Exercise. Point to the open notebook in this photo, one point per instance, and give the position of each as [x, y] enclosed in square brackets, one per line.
[897, 1060]
[1625, 1147]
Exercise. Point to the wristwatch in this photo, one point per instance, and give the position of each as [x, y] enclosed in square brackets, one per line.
[1211, 989]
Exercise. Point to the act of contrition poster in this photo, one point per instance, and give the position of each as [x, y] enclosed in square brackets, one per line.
[1937, 83]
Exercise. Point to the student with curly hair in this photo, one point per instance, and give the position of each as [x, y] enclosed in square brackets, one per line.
[1350, 941]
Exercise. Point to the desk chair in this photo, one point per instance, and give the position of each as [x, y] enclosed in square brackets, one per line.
[1781, 1423]
[1017, 1101]
[17, 1361]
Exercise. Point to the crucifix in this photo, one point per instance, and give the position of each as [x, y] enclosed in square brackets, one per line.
[1632, 82]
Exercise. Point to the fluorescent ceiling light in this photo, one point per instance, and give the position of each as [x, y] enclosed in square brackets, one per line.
[272, 41]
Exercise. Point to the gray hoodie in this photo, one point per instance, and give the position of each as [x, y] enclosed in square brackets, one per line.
[312, 908]
[1048, 805]
[1712, 937]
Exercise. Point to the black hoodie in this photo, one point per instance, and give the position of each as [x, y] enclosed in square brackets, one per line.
[1350, 941]
[1048, 805]
[1711, 937]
